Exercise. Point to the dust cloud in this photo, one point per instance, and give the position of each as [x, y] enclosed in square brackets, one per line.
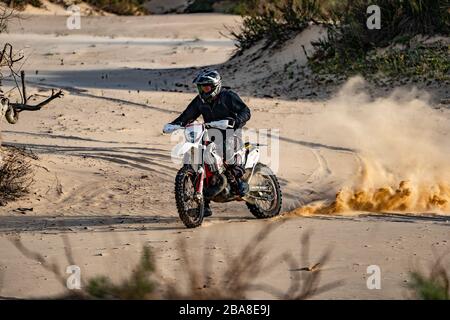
[401, 146]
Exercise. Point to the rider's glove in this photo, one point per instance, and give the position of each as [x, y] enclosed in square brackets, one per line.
[227, 123]
[233, 123]
[169, 128]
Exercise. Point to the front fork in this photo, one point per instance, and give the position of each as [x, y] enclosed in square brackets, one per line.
[199, 183]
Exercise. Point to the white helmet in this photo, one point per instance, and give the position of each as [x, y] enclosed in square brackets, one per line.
[209, 84]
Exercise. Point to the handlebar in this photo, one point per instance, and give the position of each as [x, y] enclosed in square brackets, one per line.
[220, 124]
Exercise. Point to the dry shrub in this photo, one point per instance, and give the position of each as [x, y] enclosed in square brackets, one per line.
[275, 22]
[21, 4]
[6, 14]
[16, 173]
[120, 7]
[238, 279]
[243, 270]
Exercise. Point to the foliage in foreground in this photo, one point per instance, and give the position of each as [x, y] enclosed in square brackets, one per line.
[238, 278]
[432, 286]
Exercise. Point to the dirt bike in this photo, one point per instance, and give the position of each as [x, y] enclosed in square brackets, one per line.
[206, 177]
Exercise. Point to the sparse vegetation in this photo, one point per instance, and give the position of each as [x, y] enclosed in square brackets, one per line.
[275, 22]
[434, 286]
[138, 286]
[201, 6]
[423, 62]
[235, 282]
[16, 174]
[5, 15]
[350, 47]
[224, 6]
[20, 4]
[121, 7]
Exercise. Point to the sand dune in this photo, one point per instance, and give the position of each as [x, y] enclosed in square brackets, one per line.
[54, 9]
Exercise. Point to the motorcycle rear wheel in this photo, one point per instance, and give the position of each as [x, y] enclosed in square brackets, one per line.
[268, 178]
[190, 210]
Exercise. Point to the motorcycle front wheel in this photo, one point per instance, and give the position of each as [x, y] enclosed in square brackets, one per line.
[189, 208]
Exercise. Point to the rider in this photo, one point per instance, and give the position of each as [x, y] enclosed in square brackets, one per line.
[214, 103]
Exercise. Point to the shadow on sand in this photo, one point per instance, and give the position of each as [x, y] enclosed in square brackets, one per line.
[48, 224]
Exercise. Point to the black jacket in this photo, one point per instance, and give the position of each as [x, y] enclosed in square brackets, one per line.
[227, 105]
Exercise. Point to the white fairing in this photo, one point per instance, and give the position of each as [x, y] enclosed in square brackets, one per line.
[194, 133]
[252, 158]
[181, 149]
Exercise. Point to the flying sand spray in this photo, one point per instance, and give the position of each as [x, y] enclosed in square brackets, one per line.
[402, 150]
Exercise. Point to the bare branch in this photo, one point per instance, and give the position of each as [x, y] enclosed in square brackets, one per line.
[25, 107]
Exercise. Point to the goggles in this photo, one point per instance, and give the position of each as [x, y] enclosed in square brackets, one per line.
[205, 88]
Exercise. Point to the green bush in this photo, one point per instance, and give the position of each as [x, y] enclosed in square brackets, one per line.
[434, 286]
[429, 289]
[20, 4]
[139, 286]
[350, 47]
[431, 61]
[225, 6]
[274, 21]
[201, 6]
[349, 40]
[121, 7]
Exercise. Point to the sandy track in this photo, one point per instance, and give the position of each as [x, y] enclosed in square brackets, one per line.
[395, 244]
[107, 180]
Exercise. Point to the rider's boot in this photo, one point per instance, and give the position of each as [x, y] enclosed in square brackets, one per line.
[208, 211]
[243, 187]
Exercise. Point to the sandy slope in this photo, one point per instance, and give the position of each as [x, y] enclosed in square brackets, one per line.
[50, 8]
[106, 176]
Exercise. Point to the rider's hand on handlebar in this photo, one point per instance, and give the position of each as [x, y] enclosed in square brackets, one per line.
[221, 124]
[169, 128]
